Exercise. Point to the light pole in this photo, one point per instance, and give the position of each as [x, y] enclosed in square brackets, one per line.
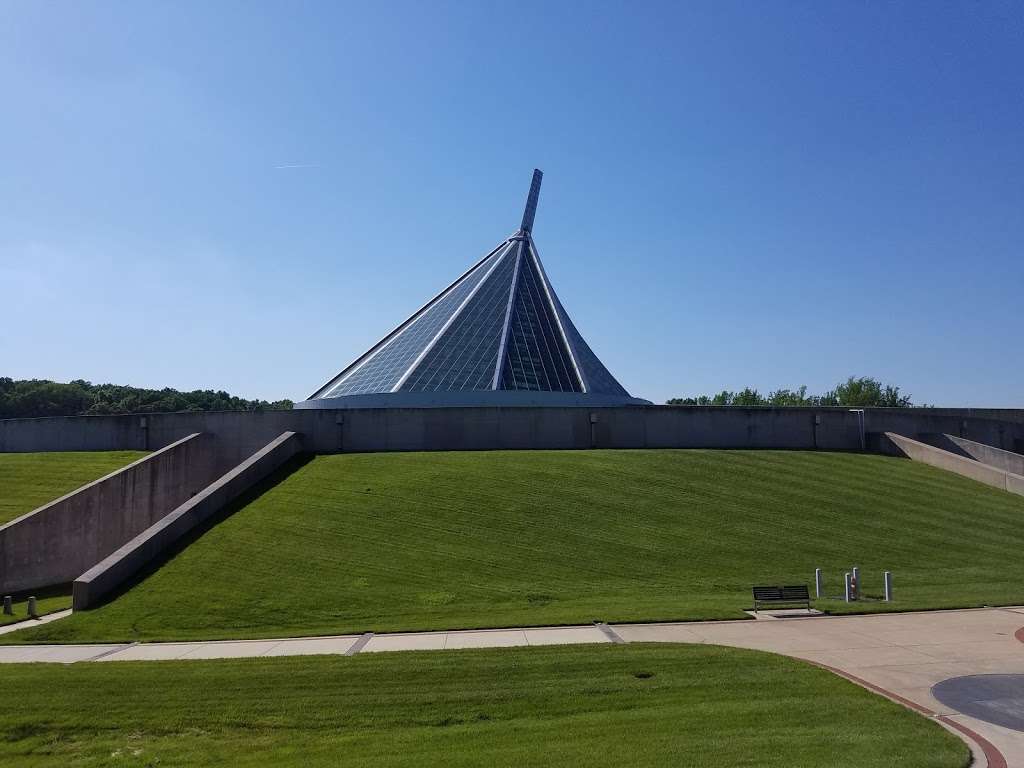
[860, 423]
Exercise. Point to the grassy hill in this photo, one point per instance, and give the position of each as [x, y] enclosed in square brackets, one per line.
[636, 705]
[29, 480]
[403, 541]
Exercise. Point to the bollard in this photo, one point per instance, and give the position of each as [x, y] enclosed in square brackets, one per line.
[846, 582]
[888, 586]
[8, 606]
[33, 610]
[855, 586]
[819, 587]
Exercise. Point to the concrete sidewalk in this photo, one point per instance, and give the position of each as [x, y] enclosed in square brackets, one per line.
[900, 655]
[24, 623]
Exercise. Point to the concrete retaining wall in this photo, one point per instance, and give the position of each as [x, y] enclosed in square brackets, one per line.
[986, 454]
[57, 542]
[77, 433]
[239, 434]
[952, 462]
[105, 577]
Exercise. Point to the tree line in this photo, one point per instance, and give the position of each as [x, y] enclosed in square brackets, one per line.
[856, 391]
[37, 397]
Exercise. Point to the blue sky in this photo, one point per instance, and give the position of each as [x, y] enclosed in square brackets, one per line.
[765, 194]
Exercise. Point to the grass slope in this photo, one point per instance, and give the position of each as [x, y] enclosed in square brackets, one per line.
[29, 480]
[654, 705]
[443, 540]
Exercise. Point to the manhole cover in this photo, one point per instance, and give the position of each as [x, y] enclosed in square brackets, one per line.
[995, 699]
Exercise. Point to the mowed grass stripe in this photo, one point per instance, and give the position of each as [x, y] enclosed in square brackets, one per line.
[636, 705]
[390, 542]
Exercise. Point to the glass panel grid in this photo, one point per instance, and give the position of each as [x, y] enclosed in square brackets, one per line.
[381, 372]
[536, 356]
[465, 357]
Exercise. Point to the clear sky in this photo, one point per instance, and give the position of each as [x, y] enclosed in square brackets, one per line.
[245, 196]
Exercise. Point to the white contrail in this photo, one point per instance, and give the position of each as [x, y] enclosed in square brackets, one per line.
[296, 165]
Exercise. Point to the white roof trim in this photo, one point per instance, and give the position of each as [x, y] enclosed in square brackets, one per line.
[458, 311]
[499, 366]
[556, 313]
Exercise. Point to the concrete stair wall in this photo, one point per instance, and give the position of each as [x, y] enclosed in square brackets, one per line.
[957, 463]
[58, 541]
[986, 454]
[112, 572]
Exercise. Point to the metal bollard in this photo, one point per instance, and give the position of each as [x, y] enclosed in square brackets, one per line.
[855, 588]
[33, 610]
[846, 582]
[819, 587]
[8, 606]
[888, 586]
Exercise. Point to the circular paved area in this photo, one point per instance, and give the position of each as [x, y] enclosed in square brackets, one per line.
[997, 699]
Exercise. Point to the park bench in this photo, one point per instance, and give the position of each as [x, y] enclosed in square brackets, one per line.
[775, 596]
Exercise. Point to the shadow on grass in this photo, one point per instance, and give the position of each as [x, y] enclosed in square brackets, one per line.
[294, 464]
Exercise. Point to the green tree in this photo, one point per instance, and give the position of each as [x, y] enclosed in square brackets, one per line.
[855, 392]
[783, 397]
[864, 391]
[35, 397]
[748, 397]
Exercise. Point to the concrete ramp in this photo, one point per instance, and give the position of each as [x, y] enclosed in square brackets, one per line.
[986, 454]
[58, 541]
[103, 578]
[956, 463]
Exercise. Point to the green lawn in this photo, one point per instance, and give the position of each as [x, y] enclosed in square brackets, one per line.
[44, 605]
[633, 705]
[386, 542]
[29, 480]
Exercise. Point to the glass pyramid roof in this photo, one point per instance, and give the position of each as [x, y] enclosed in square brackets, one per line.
[500, 326]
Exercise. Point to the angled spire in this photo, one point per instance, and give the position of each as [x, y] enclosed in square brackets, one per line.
[531, 201]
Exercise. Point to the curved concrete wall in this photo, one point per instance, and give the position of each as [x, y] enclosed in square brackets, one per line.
[240, 434]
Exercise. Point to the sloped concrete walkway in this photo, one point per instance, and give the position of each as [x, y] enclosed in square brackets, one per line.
[46, 619]
[898, 655]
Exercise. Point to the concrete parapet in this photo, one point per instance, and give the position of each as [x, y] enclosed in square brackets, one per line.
[58, 541]
[78, 433]
[105, 577]
[986, 454]
[241, 433]
[952, 462]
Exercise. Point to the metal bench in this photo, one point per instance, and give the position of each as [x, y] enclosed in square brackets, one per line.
[776, 596]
